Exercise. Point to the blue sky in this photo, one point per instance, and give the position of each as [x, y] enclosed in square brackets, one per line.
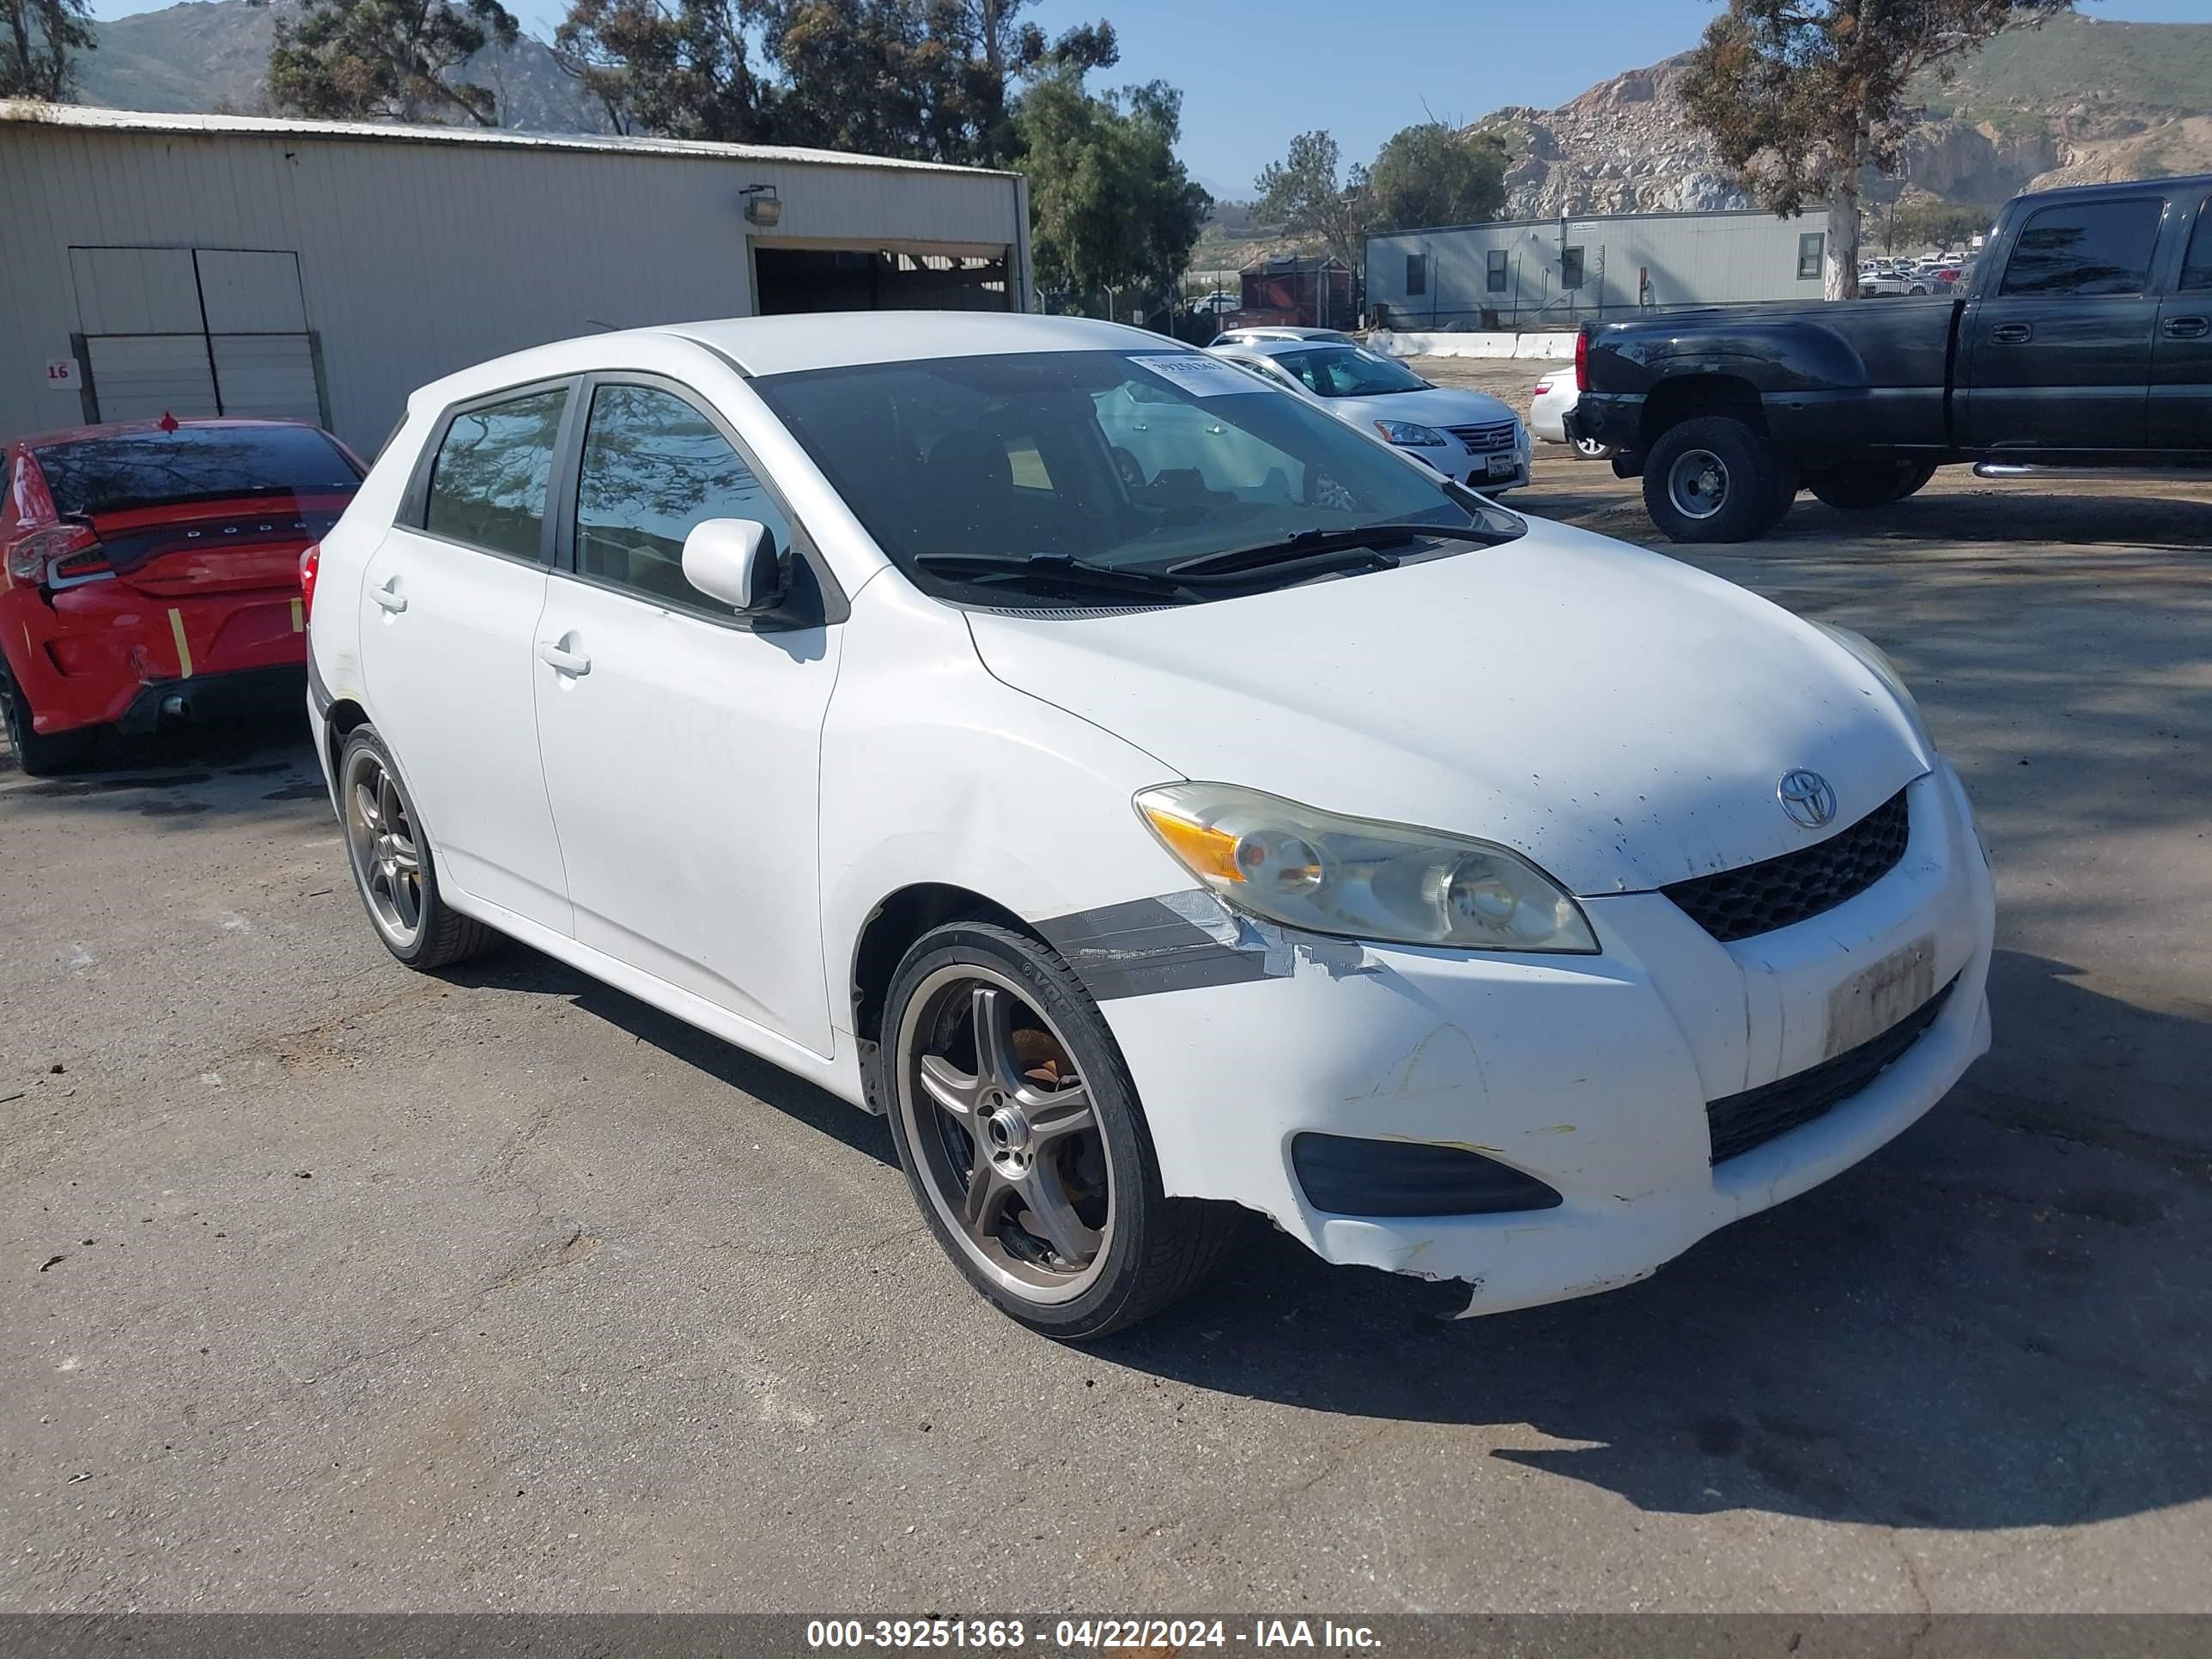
[1252, 77]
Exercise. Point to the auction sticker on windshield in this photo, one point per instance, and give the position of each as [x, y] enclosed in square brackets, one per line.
[1202, 377]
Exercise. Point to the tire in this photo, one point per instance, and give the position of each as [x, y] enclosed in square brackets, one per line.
[394, 870]
[1591, 450]
[1072, 1235]
[41, 754]
[1879, 483]
[1712, 479]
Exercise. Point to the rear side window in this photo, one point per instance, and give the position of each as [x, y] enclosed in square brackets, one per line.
[489, 482]
[2086, 248]
[653, 467]
[123, 471]
[2196, 267]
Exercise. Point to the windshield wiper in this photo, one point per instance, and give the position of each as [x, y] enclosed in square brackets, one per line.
[1061, 570]
[1312, 543]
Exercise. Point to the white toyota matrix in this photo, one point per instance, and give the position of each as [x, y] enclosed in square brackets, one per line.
[1159, 800]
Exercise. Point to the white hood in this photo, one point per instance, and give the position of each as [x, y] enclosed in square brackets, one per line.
[1619, 718]
[1439, 406]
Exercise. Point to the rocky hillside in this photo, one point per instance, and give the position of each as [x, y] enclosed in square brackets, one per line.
[2077, 100]
[212, 54]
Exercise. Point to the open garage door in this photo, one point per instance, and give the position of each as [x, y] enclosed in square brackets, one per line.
[189, 332]
[791, 279]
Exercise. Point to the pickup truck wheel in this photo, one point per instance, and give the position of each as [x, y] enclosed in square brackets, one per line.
[1855, 488]
[1712, 479]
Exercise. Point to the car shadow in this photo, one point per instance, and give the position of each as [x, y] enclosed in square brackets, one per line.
[180, 775]
[2000, 1320]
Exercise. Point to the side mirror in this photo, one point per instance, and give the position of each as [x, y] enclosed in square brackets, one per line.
[735, 561]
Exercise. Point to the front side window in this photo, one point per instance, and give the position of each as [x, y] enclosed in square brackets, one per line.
[654, 468]
[1571, 268]
[1347, 371]
[1494, 275]
[1417, 273]
[2086, 248]
[1810, 247]
[489, 482]
[2196, 264]
[1059, 466]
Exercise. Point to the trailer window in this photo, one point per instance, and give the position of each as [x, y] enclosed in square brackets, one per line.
[1810, 248]
[1417, 273]
[1571, 268]
[1495, 276]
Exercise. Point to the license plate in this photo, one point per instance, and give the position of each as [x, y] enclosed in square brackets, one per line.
[1872, 1001]
[1503, 466]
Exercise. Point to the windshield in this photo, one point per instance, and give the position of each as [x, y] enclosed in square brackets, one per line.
[121, 472]
[1347, 371]
[1130, 461]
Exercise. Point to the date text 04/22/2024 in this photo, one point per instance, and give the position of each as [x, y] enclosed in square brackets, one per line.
[1002, 1635]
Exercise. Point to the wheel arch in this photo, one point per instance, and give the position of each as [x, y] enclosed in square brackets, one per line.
[1685, 397]
[888, 932]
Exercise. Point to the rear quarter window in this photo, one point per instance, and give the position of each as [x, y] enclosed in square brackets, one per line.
[127, 472]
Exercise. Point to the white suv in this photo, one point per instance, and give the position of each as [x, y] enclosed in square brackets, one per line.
[1158, 798]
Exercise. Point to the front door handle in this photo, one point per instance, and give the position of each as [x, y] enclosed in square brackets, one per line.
[564, 662]
[2013, 333]
[2188, 328]
[390, 597]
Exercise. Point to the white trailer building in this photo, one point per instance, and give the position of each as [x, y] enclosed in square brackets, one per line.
[1540, 273]
[201, 264]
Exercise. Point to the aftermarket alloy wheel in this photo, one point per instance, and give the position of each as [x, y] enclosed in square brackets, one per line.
[1712, 479]
[41, 755]
[1019, 1131]
[393, 864]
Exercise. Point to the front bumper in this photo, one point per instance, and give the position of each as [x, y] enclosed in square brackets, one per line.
[1590, 1073]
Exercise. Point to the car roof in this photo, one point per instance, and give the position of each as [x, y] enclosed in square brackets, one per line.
[1275, 348]
[119, 428]
[784, 345]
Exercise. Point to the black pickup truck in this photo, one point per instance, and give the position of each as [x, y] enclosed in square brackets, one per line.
[2082, 342]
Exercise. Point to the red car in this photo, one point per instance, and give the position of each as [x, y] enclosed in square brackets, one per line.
[152, 572]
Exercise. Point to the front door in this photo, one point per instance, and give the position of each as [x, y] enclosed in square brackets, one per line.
[2181, 365]
[682, 748]
[449, 611]
[2058, 355]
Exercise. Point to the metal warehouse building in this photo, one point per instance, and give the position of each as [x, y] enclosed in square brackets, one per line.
[320, 270]
[1538, 272]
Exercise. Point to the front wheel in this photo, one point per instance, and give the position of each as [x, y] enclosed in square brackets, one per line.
[1712, 479]
[40, 754]
[1018, 1128]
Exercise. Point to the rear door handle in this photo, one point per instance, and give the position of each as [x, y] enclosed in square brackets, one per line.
[389, 596]
[2188, 328]
[2013, 333]
[564, 662]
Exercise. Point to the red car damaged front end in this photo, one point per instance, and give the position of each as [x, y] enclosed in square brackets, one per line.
[152, 572]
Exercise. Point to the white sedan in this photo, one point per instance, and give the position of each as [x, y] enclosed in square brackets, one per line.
[1469, 437]
[1555, 398]
[1289, 830]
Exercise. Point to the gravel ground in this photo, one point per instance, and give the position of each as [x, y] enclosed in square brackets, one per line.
[331, 1286]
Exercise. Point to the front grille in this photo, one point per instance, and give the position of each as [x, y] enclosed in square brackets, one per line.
[1484, 439]
[1758, 898]
[1740, 1122]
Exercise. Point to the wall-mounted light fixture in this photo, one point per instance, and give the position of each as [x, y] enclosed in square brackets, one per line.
[763, 207]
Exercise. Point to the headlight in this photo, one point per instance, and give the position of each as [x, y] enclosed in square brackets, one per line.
[1409, 436]
[1884, 670]
[1358, 879]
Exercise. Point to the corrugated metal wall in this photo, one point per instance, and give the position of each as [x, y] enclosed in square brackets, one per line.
[1631, 261]
[416, 258]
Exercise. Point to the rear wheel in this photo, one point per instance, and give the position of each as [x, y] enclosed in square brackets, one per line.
[1590, 449]
[1871, 484]
[393, 864]
[40, 754]
[1018, 1127]
[1712, 479]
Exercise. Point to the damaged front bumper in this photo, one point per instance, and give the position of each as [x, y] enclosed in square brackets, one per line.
[1592, 1075]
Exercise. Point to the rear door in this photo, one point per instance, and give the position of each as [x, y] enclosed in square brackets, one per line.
[2058, 355]
[450, 603]
[2181, 364]
[682, 745]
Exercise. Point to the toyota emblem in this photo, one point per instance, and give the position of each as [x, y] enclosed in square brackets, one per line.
[1807, 797]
